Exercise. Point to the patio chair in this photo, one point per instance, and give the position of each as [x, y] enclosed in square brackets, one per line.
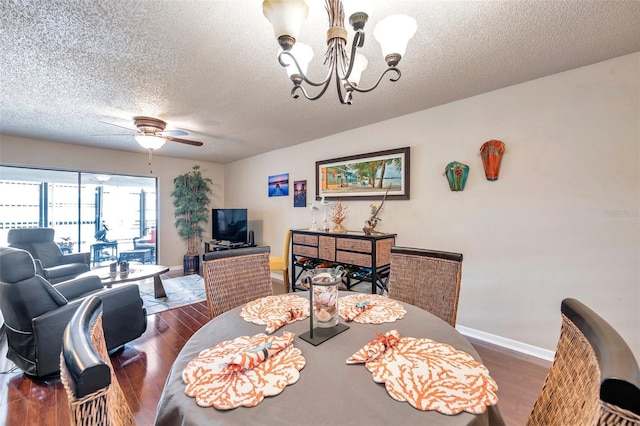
[594, 378]
[428, 279]
[93, 391]
[235, 277]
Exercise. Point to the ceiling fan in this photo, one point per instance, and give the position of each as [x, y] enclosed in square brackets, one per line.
[152, 134]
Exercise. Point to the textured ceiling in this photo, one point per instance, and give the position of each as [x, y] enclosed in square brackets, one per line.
[210, 67]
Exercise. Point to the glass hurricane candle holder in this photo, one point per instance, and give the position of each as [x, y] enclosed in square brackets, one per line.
[325, 286]
[323, 299]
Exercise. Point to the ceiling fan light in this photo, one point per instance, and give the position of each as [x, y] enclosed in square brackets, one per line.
[393, 34]
[286, 17]
[150, 141]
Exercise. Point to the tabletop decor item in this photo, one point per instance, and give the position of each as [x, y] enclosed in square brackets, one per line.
[491, 153]
[427, 374]
[276, 311]
[323, 304]
[124, 268]
[370, 309]
[242, 371]
[314, 224]
[372, 222]
[339, 212]
[456, 174]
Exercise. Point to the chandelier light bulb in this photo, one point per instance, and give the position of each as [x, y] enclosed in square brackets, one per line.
[286, 17]
[360, 63]
[393, 33]
[303, 54]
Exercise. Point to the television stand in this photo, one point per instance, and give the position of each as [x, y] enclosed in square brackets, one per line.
[211, 246]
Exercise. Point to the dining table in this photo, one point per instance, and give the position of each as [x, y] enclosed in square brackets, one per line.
[328, 391]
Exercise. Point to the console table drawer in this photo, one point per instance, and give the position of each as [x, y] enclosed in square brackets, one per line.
[305, 251]
[327, 248]
[352, 244]
[359, 259]
[309, 240]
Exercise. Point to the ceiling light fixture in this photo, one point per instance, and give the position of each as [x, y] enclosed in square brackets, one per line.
[150, 141]
[286, 16]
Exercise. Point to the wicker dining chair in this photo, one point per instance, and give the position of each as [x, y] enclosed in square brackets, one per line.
[594, 378]
[93, 391]
[428, 279]
[234, 277]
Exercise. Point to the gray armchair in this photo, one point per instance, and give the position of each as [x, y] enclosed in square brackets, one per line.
[51, 263]
[36, 312]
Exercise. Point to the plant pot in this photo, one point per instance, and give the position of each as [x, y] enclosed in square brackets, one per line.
[191, 264]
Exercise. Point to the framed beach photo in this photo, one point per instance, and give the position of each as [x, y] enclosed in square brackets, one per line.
[300, 193]
[279, 185]
[365, 176]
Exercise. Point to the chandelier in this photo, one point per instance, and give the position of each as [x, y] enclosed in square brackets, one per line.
[286, 16]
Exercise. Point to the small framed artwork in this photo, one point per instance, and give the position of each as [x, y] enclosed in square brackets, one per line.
[371, 176]
[279, 185]
[300, 193]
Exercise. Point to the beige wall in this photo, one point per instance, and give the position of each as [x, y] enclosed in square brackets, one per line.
[561, 221]
[171, 248]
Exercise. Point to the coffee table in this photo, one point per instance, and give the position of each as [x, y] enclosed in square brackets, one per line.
[137, 272]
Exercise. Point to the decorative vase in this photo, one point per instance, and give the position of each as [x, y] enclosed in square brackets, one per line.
[491, 153]
[339, 228]
[456, 175]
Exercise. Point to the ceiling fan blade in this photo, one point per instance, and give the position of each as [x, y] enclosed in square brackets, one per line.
[122, 127]
[174, 133]
[185, 141]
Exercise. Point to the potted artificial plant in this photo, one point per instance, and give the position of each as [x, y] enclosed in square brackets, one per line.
[191, 200]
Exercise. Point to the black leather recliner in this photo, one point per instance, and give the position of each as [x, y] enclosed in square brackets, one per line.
[37, 312]
[51, 263]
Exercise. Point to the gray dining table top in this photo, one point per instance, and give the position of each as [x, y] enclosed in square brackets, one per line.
[328, 392]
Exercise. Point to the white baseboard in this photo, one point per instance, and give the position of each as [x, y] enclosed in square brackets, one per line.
[504, 342]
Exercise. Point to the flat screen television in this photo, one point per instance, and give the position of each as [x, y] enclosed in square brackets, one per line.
[229, 225]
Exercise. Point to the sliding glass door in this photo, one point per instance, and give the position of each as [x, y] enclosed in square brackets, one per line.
[85, 209]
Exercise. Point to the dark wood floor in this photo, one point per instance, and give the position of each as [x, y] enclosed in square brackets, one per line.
[144, 365]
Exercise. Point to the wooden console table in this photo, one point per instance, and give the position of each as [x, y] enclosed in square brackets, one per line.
[366, 257]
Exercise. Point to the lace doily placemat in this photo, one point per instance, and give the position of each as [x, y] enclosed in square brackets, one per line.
[276, 311]
[370, 308]
[427, 374]
[242, 371]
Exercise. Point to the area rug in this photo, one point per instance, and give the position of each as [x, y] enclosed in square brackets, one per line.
[180, 291]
